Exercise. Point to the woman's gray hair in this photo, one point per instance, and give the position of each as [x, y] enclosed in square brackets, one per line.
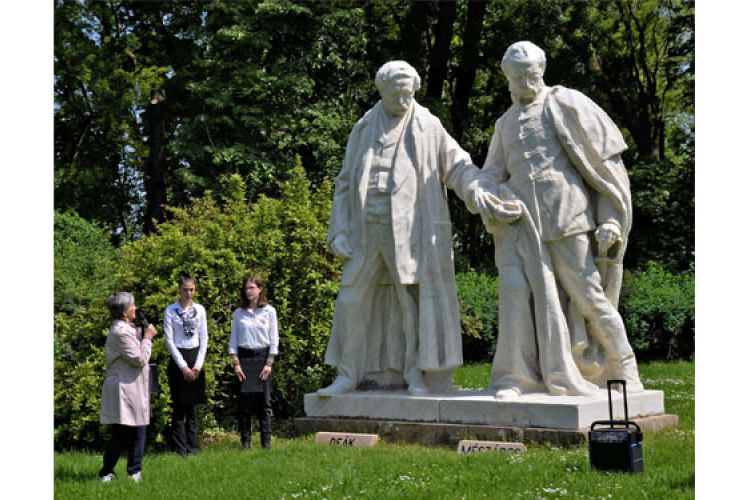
[392, 69]
[118, 303]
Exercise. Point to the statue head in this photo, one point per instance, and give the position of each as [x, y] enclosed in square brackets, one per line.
[397, 82]
[524, 64]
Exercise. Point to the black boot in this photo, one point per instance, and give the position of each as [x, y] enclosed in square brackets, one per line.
[245, 439]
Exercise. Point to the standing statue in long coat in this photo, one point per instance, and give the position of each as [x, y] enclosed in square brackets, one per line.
[397, 307]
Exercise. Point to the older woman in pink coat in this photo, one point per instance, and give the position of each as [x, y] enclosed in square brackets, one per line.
[125, 395]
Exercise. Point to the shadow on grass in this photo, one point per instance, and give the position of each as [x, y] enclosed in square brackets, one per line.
[67, 474]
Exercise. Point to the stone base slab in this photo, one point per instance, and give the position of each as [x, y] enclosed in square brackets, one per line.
[467, 407]
[431, 434]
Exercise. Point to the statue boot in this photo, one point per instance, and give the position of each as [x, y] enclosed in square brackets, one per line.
[341, 385]
[508, 393]
[415, 381]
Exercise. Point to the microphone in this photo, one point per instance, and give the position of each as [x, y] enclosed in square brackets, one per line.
[143, 319]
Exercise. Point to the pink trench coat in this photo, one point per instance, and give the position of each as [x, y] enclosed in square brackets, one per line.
[125, 395]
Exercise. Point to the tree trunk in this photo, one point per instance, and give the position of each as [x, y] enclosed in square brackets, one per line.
[155, 178]
[415, 35]
[440, 53]
[465, 75]
[467, 68]
[640, 125]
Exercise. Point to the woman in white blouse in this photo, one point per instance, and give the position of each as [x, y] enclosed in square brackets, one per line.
[186, 336]
[253, 345]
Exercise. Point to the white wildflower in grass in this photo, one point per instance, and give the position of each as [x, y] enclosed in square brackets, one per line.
[555, 491]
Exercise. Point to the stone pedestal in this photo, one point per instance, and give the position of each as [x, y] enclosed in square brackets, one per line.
[481, 408]
[432, 433]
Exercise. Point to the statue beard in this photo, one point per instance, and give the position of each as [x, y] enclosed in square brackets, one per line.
[528, 99]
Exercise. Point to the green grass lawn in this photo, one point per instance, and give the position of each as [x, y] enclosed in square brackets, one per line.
[299, 469]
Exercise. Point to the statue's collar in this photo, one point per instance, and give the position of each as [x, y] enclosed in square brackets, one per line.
[415, 115]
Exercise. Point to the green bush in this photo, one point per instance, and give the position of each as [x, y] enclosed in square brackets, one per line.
[219, 239]
[477, 297]
[658, 308]
[86, 265]
[663, 214]
[85, 262]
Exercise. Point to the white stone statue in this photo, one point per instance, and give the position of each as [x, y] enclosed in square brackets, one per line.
[397, 308]
[558, 204]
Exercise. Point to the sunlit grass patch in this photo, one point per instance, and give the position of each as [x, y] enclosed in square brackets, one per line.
[297, 469]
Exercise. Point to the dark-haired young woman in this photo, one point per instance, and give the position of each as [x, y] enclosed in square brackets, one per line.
[254, 341]
[186, 336]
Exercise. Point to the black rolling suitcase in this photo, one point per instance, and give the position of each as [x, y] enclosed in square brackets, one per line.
[618, 447]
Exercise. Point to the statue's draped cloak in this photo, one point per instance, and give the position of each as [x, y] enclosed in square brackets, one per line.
[593, 143]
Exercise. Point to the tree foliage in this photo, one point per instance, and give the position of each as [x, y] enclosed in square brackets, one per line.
[86, 272]
[250, 85]
[272, 88]
[101, 83]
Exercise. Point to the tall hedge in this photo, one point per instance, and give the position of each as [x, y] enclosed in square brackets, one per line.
[477, 298]
[656, 304]
[658, 307]
[219, 239]
[86, 265]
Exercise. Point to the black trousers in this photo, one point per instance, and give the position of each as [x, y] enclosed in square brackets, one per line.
[254, 403]
[125, 437]
[185, 429]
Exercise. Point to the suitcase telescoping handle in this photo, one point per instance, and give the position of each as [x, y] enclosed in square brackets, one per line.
[624, 397]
